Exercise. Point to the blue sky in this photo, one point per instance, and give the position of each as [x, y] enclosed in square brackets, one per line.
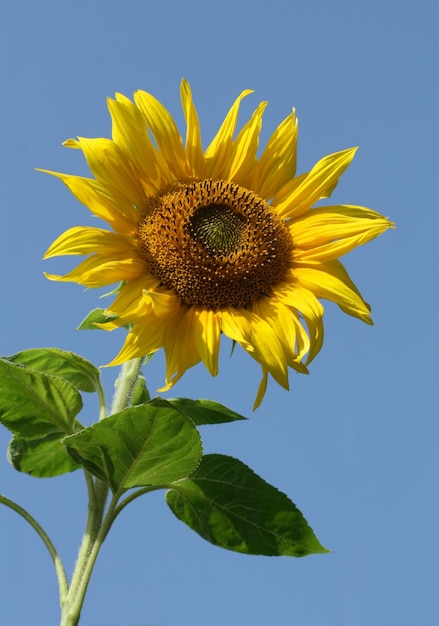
[355, 444]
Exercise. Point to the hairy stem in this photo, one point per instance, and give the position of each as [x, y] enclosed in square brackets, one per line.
[98, 521]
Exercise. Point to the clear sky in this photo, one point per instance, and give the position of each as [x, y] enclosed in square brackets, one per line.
[355, 444]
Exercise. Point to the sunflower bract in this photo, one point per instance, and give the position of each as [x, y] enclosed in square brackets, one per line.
[213, 241]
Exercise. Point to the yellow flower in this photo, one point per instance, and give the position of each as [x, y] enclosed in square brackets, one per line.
[213, 241]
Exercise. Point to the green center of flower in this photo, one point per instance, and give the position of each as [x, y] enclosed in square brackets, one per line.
[218, 228]
[215, 243]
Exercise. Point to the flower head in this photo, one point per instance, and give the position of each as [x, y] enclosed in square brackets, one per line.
[214, 241]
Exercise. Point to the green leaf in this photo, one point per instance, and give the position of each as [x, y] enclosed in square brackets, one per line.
[205, 411]
[226, 503]
[97, 316]
[43, 457]
[150, 444]
[33, 404]
[74, 368]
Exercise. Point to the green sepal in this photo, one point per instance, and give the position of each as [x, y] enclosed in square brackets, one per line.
[140, 392]
[34, 404]
[97, 316]
[226, 503]
[150, 444]
[74, 368]
[44, 457]
[205, 411]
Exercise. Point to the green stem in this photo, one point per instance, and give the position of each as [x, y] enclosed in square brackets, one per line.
[59, 568]
[137, 494]
[98, 524]
[85, 564]
[101, 396]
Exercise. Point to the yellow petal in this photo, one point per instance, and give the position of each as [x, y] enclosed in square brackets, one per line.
[165, 133]
[277, 165]
[99, 271]
[305, 346]
[235, 326]
[110, 166]
[194, 148]
[86, 240]
[104, 202]
[319, 182]
[129, 304]
[311, 310]
[245, 147]
[329, 232]
[207, 337]
[179, 345]
[331, 282]
[219, 151]
[288, 328]
[261, 389]
[279, 318]
[144, 339]
[130, 133]
[163, 304]
[258, 339]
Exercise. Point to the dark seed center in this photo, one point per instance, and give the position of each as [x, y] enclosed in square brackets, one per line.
[215, 243]
[218, 228]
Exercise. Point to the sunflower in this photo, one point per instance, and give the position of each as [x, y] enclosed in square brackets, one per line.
[215, 241]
